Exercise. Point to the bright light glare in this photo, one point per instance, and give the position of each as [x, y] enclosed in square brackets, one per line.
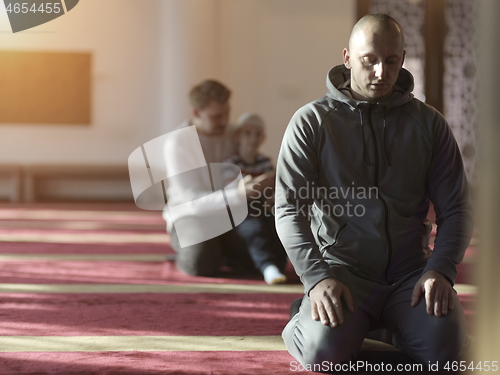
[4, 18]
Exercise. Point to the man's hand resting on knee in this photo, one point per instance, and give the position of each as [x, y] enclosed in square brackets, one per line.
[326, 304]
[438, 293]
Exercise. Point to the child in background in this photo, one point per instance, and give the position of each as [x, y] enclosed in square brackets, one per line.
[258, 230]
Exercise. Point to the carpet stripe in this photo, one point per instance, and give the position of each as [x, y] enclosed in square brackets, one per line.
[154, 343]
[147, 363]
[106, 257]
[139, 343]
[163, 238]
[138, 216]
[81, 225]
[152, 288]
[86, 257]
[148, 314]
[465, 288]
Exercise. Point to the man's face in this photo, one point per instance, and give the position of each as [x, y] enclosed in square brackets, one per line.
[212, 119]
[375, 58]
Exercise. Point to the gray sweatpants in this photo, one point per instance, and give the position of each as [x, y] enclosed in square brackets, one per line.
[422, 336]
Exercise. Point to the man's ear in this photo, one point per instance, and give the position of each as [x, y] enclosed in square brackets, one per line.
[403, 59]
[196, 112]
[347, 58]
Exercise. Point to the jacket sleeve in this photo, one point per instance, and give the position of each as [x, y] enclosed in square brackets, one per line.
[449, 192]
[296, 172]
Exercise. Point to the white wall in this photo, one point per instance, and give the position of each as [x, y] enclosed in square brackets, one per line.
[487, 325]
[124, 38]
[190, 54]
[273, 54]
[276, 54]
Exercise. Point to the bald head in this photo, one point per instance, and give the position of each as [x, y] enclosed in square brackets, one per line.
[375, 56]
[373, 25]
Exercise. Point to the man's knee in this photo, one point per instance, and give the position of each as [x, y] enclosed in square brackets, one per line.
[318, 344]
[447, 342]
[199, 261]
[443, 340]
[196, 267]
[331, 355]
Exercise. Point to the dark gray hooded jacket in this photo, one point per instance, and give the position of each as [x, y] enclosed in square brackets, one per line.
[354, 184]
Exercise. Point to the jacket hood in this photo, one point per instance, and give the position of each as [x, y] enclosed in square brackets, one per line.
[338, 75]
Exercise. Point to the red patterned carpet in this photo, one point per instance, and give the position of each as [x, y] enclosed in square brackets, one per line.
[85, 289]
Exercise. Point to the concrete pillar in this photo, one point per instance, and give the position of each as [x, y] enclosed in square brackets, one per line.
[487, 328]
[190, 53]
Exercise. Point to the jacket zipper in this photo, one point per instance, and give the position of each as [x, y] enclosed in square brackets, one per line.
[384, 203]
